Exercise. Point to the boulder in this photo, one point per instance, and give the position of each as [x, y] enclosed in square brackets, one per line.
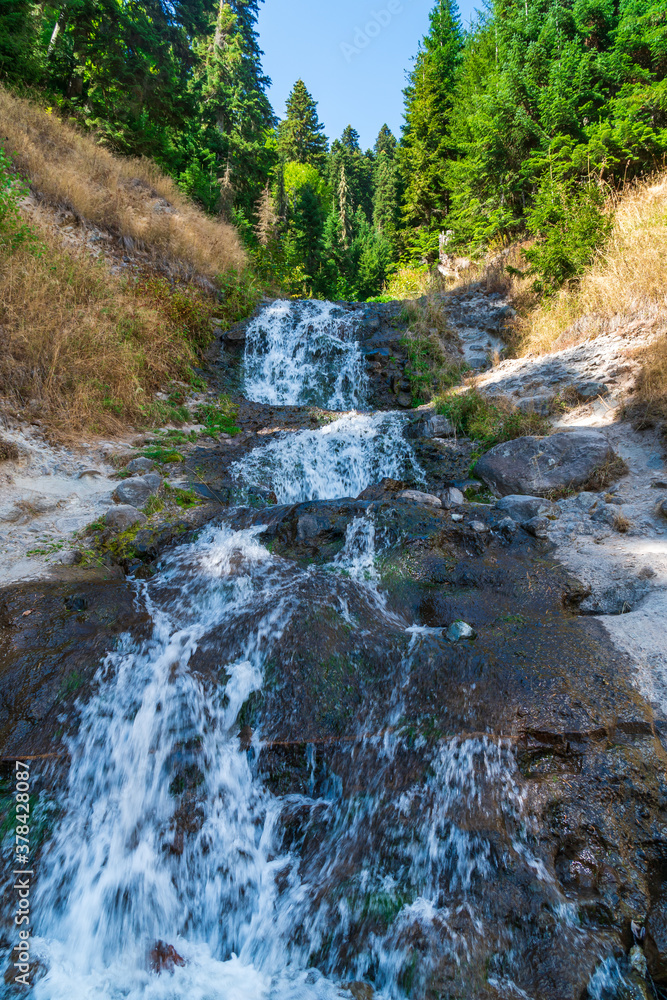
[139, 465]
[538, 527]
[524, 508]
[418, 497]
[536, 466]
[135, 492]
[123, 517]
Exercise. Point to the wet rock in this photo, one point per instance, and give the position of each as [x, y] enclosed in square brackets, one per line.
[479, 527]
[538, 527]
[418, 497]
[123, 517]
[537, 466]
[452, 498]
[458, 631]
[523, 508]
[76, 602]
[507, 527]
[588, 391]
[140, 465]
[662, 508]
[135, 492]
[404, 400]
[386, 488]
[164, 958]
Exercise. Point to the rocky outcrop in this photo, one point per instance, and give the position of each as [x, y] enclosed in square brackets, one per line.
[136, 491]
[541, 466]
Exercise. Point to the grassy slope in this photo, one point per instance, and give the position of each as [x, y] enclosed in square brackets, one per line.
[626, 287]
[83, 348]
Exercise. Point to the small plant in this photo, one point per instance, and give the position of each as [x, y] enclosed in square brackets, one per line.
[622, 524]
[162, 454]
[219, 417]
[154, 505]
[186, 499]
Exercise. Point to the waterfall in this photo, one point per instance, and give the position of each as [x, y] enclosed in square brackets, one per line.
[172, 851]
[304, 354]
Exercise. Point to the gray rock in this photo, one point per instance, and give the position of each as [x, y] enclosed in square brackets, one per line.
[458, 631]
[436, 426]
[507, 526]
[135, 492]
[537, 526]
[153, 480]
[425, 498]
[523, 508]
[662, 508]
[535, 466]
[588, 391]
[452, 498]
[123, 517]
[479, 527]
[139, 465]
[404, 400]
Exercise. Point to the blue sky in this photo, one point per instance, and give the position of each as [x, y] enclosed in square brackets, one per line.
[351, 54]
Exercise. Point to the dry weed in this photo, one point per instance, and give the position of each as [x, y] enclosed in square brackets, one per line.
[83, 349]
[8, 451]
[130, 198]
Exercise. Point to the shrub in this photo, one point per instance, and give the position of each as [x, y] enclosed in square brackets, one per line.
[489, 422]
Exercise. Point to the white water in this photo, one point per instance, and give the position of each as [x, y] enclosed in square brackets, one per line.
[168, 833]
[339, 460]
[304, 354]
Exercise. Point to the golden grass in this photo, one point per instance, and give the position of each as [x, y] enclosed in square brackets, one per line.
[128, 197]
[84, 350]
[625, 289]
[628, 280]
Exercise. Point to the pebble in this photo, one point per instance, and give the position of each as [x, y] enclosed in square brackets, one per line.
[538, 527]
[663, 508]
[479, 527]
[457, 517]
[426, 498]
[452, 498]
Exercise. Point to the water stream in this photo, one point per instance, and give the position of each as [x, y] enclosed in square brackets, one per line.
[174, 853]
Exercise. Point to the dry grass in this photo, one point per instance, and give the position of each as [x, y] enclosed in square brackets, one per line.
[8, 450]
[84, 350]
[129, 198]
[628, 280]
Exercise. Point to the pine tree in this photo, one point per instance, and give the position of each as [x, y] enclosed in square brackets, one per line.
[426, 145]
[345, 210]
[386, 207]
[300, 135]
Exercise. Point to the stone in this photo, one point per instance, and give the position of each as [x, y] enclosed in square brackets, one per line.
[404, 400]
[123, 517]
[135, 492]
[536, 466]
[523, 508]
[437, 426]
[479, 527]
[417, 497]
[538, 527]
[452, 498]
[457, 517]
[588, 391]
[154, 480]
[662, 508]
[458, 631]
[507, 526]
[139, 465]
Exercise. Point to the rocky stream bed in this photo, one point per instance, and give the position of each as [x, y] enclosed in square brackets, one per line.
[345, 730]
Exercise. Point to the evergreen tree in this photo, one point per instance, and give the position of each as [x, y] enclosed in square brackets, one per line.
[300, 135]
[426, 145]
[386, 195]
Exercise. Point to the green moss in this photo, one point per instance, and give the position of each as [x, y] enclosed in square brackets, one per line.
[70, 685]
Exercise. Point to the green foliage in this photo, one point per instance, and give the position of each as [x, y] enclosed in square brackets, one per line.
[429, 370]
[219, 417]
[570, 224]
[14, 232]
[488, 422]
[301, 136]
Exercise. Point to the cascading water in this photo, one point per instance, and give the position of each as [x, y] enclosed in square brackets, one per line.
[177, 872]
[304, 354]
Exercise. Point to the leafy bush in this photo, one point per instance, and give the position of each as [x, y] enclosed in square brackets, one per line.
[14, 232]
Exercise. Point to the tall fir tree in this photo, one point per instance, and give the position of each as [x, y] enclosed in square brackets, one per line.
[386, 192]
[426, 144]
[301, 136]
